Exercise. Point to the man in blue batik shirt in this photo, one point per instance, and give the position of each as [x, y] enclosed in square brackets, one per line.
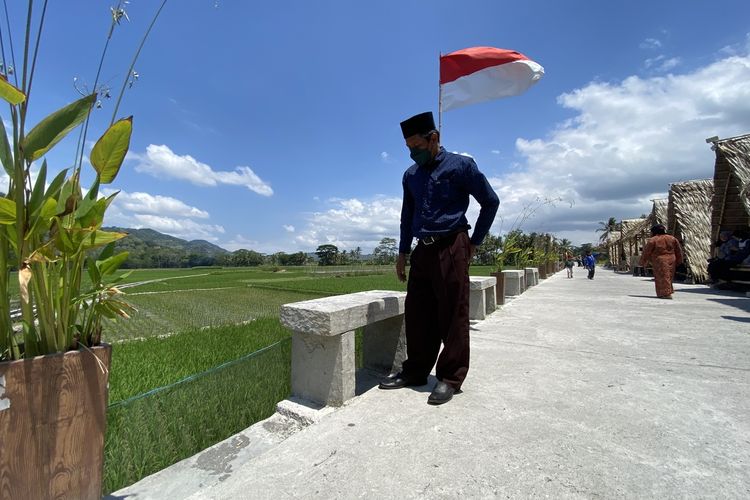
[436, 196]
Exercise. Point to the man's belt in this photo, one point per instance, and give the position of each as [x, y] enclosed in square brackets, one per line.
[430, 240]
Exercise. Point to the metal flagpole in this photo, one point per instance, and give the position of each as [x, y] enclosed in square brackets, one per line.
[440, 97]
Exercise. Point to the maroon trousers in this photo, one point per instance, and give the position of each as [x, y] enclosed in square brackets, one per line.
[437, 310]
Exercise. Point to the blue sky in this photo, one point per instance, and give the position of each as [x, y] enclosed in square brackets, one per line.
[274, 126]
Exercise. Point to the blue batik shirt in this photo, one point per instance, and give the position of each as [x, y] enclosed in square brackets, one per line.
[436, 197]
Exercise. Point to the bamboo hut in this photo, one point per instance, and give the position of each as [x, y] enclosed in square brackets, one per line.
[659, 212]
[688, 213]
[625, 246]
[730, 206]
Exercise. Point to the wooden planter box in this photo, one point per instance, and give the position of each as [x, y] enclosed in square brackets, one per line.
[542, 272]
[52, 422]
[499, 287]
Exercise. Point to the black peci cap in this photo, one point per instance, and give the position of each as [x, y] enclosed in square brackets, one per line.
[418, 124]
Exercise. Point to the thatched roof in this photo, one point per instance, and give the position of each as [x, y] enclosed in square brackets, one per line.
[659, 212]
[688, 212]
[731, 200]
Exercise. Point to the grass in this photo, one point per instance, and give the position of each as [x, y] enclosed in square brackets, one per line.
[148, 434]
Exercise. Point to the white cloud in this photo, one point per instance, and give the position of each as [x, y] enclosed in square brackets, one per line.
[145, 203]
[385, 157]
[627, 142]
[350, 223]
[161, 213]
[650, 43]
[463, 154]
[495, 151]
[241, 242]
[288, 228]
[181, 228]
[661, 63]
[160, 161]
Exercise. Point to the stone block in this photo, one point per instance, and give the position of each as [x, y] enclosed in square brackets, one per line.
[513, 281]
[384, 345]
[341, 313]
[530, 277]
[323, 367]
[481, 296]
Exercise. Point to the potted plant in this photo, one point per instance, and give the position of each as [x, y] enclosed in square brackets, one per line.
[508, 257]
[58, 271]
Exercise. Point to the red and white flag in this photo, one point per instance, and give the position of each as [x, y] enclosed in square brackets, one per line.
[480, 74]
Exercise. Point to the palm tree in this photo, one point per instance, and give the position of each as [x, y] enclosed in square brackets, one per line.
[607, 228]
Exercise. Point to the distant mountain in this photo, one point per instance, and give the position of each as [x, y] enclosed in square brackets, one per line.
[149, 248]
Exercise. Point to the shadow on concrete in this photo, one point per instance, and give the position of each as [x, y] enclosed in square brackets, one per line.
[366, 379]
[644, 296]
[712, 291]
[742, 303]
[741, 319]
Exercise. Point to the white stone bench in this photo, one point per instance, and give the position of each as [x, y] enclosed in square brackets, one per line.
[514, 281]
[323, 357]
[481, 296]
[532, 275]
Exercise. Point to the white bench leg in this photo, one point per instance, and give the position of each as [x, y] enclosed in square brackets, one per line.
[384, 345]
[490, 300]
[477, 307]
[323, 367]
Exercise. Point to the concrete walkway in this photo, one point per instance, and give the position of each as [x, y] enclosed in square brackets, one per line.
[577, 389]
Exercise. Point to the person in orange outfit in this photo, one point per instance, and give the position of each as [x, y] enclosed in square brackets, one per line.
[665, 254]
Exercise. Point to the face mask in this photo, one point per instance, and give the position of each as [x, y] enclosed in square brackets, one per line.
[420, 156]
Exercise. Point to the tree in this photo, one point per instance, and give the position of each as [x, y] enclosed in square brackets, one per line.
[294, 259]
[488, 250]
[385, 252]
[607, 228]
[327, 255]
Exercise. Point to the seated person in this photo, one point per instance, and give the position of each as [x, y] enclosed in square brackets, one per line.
[733, 252]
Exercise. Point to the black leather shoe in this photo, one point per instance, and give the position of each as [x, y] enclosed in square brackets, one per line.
[399, 380]
[442, 393]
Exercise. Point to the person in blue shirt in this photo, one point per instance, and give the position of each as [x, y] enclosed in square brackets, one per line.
[589, 262]
[436, 196]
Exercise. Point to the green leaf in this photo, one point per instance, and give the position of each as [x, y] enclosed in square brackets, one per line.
[37, 194]
[101, 238]
[6, 156]
[10, 93]
[56, 126]
[42, 218]
[93, 217]
[112, 264]
[93, 270]
[63, 240]
[7, 211]
[56, 183]
[107, 252]
[110, 150]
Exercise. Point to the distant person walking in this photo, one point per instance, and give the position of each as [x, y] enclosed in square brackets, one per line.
[589, 262]
[569, 264]
[665, 254]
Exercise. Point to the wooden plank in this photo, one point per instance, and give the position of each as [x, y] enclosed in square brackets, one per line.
[52, 435]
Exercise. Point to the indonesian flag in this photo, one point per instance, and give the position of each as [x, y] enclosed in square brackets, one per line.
[480, 74]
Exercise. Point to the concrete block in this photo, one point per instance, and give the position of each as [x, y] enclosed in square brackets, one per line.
[480, 288]
[384, 345]
[323, 367]
[341, 313]
[530, 279]
[513, 282]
